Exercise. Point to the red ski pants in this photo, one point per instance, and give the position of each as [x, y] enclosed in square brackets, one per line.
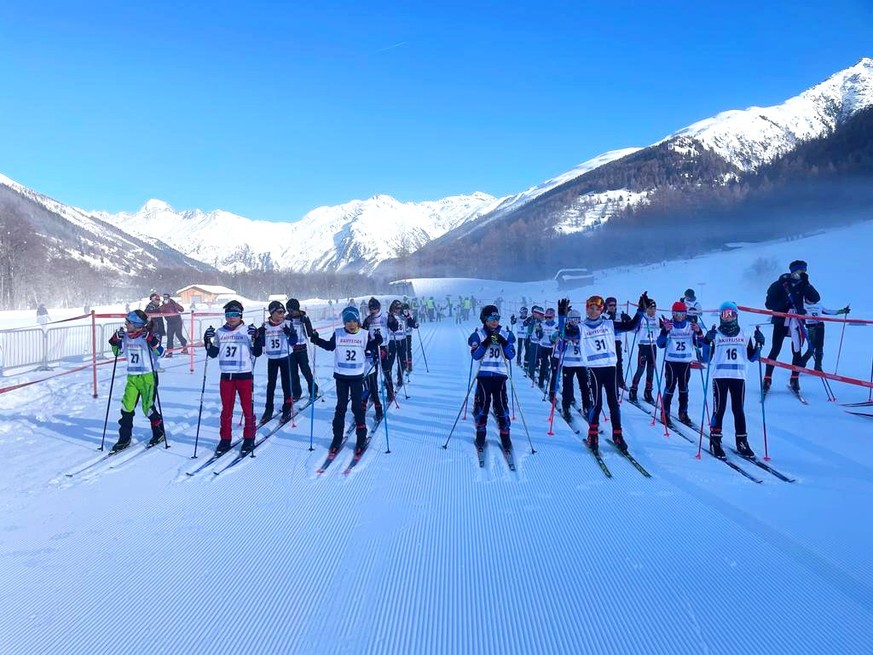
[228, 390]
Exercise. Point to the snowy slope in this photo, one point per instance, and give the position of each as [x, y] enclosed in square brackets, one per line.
[354, 236]
[751, 137]
[421, 551]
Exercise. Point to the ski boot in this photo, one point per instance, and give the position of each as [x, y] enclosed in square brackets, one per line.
[566, 415]
[765, 384]
[618, 440]
[632, 394]
[505, 443]
[267, 415]
[379, 413]
[287, 412]
[648, 397]
[121, 444]
[684, 418]
[593, 437]
[794, 384]
[222, 447]
[743, 447]
[158, 434]
[715, 445]
[248, 445]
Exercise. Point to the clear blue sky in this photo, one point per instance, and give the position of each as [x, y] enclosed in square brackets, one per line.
[270, 109]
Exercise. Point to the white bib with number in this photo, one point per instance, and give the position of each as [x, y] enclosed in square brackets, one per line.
[234, 349]
[680, 344]
[729, 358]
[598, 344]
[348, 358]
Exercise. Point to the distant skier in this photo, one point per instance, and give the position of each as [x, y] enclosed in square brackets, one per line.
[377, 325]
[411, 323]
[815, 329]
[569, 352]
[299, 354]
[519, 327]
[141, 349]
[730, 350]
[493, 347]
[613, 315]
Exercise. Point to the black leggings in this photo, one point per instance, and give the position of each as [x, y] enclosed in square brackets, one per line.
[779, 334]
[720, 389]
[647, 362]
[603, 379]
[676, 373]
[580, 373]
[491, 389]
[278, 366]
[347, 388]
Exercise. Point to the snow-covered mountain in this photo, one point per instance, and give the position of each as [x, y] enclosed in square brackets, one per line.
[354, 236]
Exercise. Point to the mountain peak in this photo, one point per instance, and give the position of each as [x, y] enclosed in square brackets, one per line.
[154, 205]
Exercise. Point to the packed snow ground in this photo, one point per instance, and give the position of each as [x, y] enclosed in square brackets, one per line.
[420, 550]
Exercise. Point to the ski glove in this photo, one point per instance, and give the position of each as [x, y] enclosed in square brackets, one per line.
[539, 333]
[666, 325]
[207, 336]
[498, 338]
[644, 301]
[844, 310]
[119, 334]
[759, 338]
[312, 338]
[563, 306]
[252, 330]
[512, 319]
[710, 336]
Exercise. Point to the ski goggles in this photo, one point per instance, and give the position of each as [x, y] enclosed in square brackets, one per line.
[728, 315]
[232, 314]
[595, 301]
[492, 317]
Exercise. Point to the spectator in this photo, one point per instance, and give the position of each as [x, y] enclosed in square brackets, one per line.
[153, 310]
[172, 311]
[42, 315]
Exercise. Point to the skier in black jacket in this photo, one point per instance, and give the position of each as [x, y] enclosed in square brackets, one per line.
[786, 295]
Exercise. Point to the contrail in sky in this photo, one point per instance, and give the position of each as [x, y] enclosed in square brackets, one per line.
[391, 47]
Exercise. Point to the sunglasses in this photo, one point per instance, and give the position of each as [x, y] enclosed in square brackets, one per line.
[493, 317]
[232, 314]
[278, 311]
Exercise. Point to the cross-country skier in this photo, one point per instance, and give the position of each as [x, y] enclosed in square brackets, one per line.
[815, 331]
[141, 348]
[678, 337]
[523, 320]
[493, 347]
[397, 341]
[411, 325]
[299, 354]
[731, 350]
[613, 315]
[235, 345]
[647, 361]
[276, 337]
[376, 323]
[569, 353]
[597, 339]
[352, 351]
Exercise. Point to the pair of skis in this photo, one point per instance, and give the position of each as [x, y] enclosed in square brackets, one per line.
[507, 455]
[596, 451]
[730, 463]
[234, 447]
[356, 458]
[111, 460]
[795, 392]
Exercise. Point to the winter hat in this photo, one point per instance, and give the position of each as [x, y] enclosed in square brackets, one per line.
[394, 306]
[728, 312]
[550, 312]
[233, 306]
[679, 307]
[275, 306]
[138, 318]
[536, 309]
[652, 303]
[293, 305]
[351, 314]
[373, 303]
[797, 265]
[574, 315]
[488, 310]
[522, 310]
[689, 293]
[611, 301]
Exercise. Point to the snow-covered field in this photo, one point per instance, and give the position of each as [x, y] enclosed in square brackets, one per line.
[421, 551]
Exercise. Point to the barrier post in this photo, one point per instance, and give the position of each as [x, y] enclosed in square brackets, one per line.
[93, 351]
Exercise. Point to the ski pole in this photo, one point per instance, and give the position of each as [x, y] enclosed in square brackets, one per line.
[463, 406]
[312, 397]
[158, 396]
[659, 398]
[423, 354]
[511, 398]
[467, 397]
[627, 372]
[108, 402]
[706, 407]
[200, 411]
[517, 402]
[840, 349]
[385, 414]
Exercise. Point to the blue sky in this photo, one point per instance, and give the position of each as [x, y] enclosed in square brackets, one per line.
[270, 109]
